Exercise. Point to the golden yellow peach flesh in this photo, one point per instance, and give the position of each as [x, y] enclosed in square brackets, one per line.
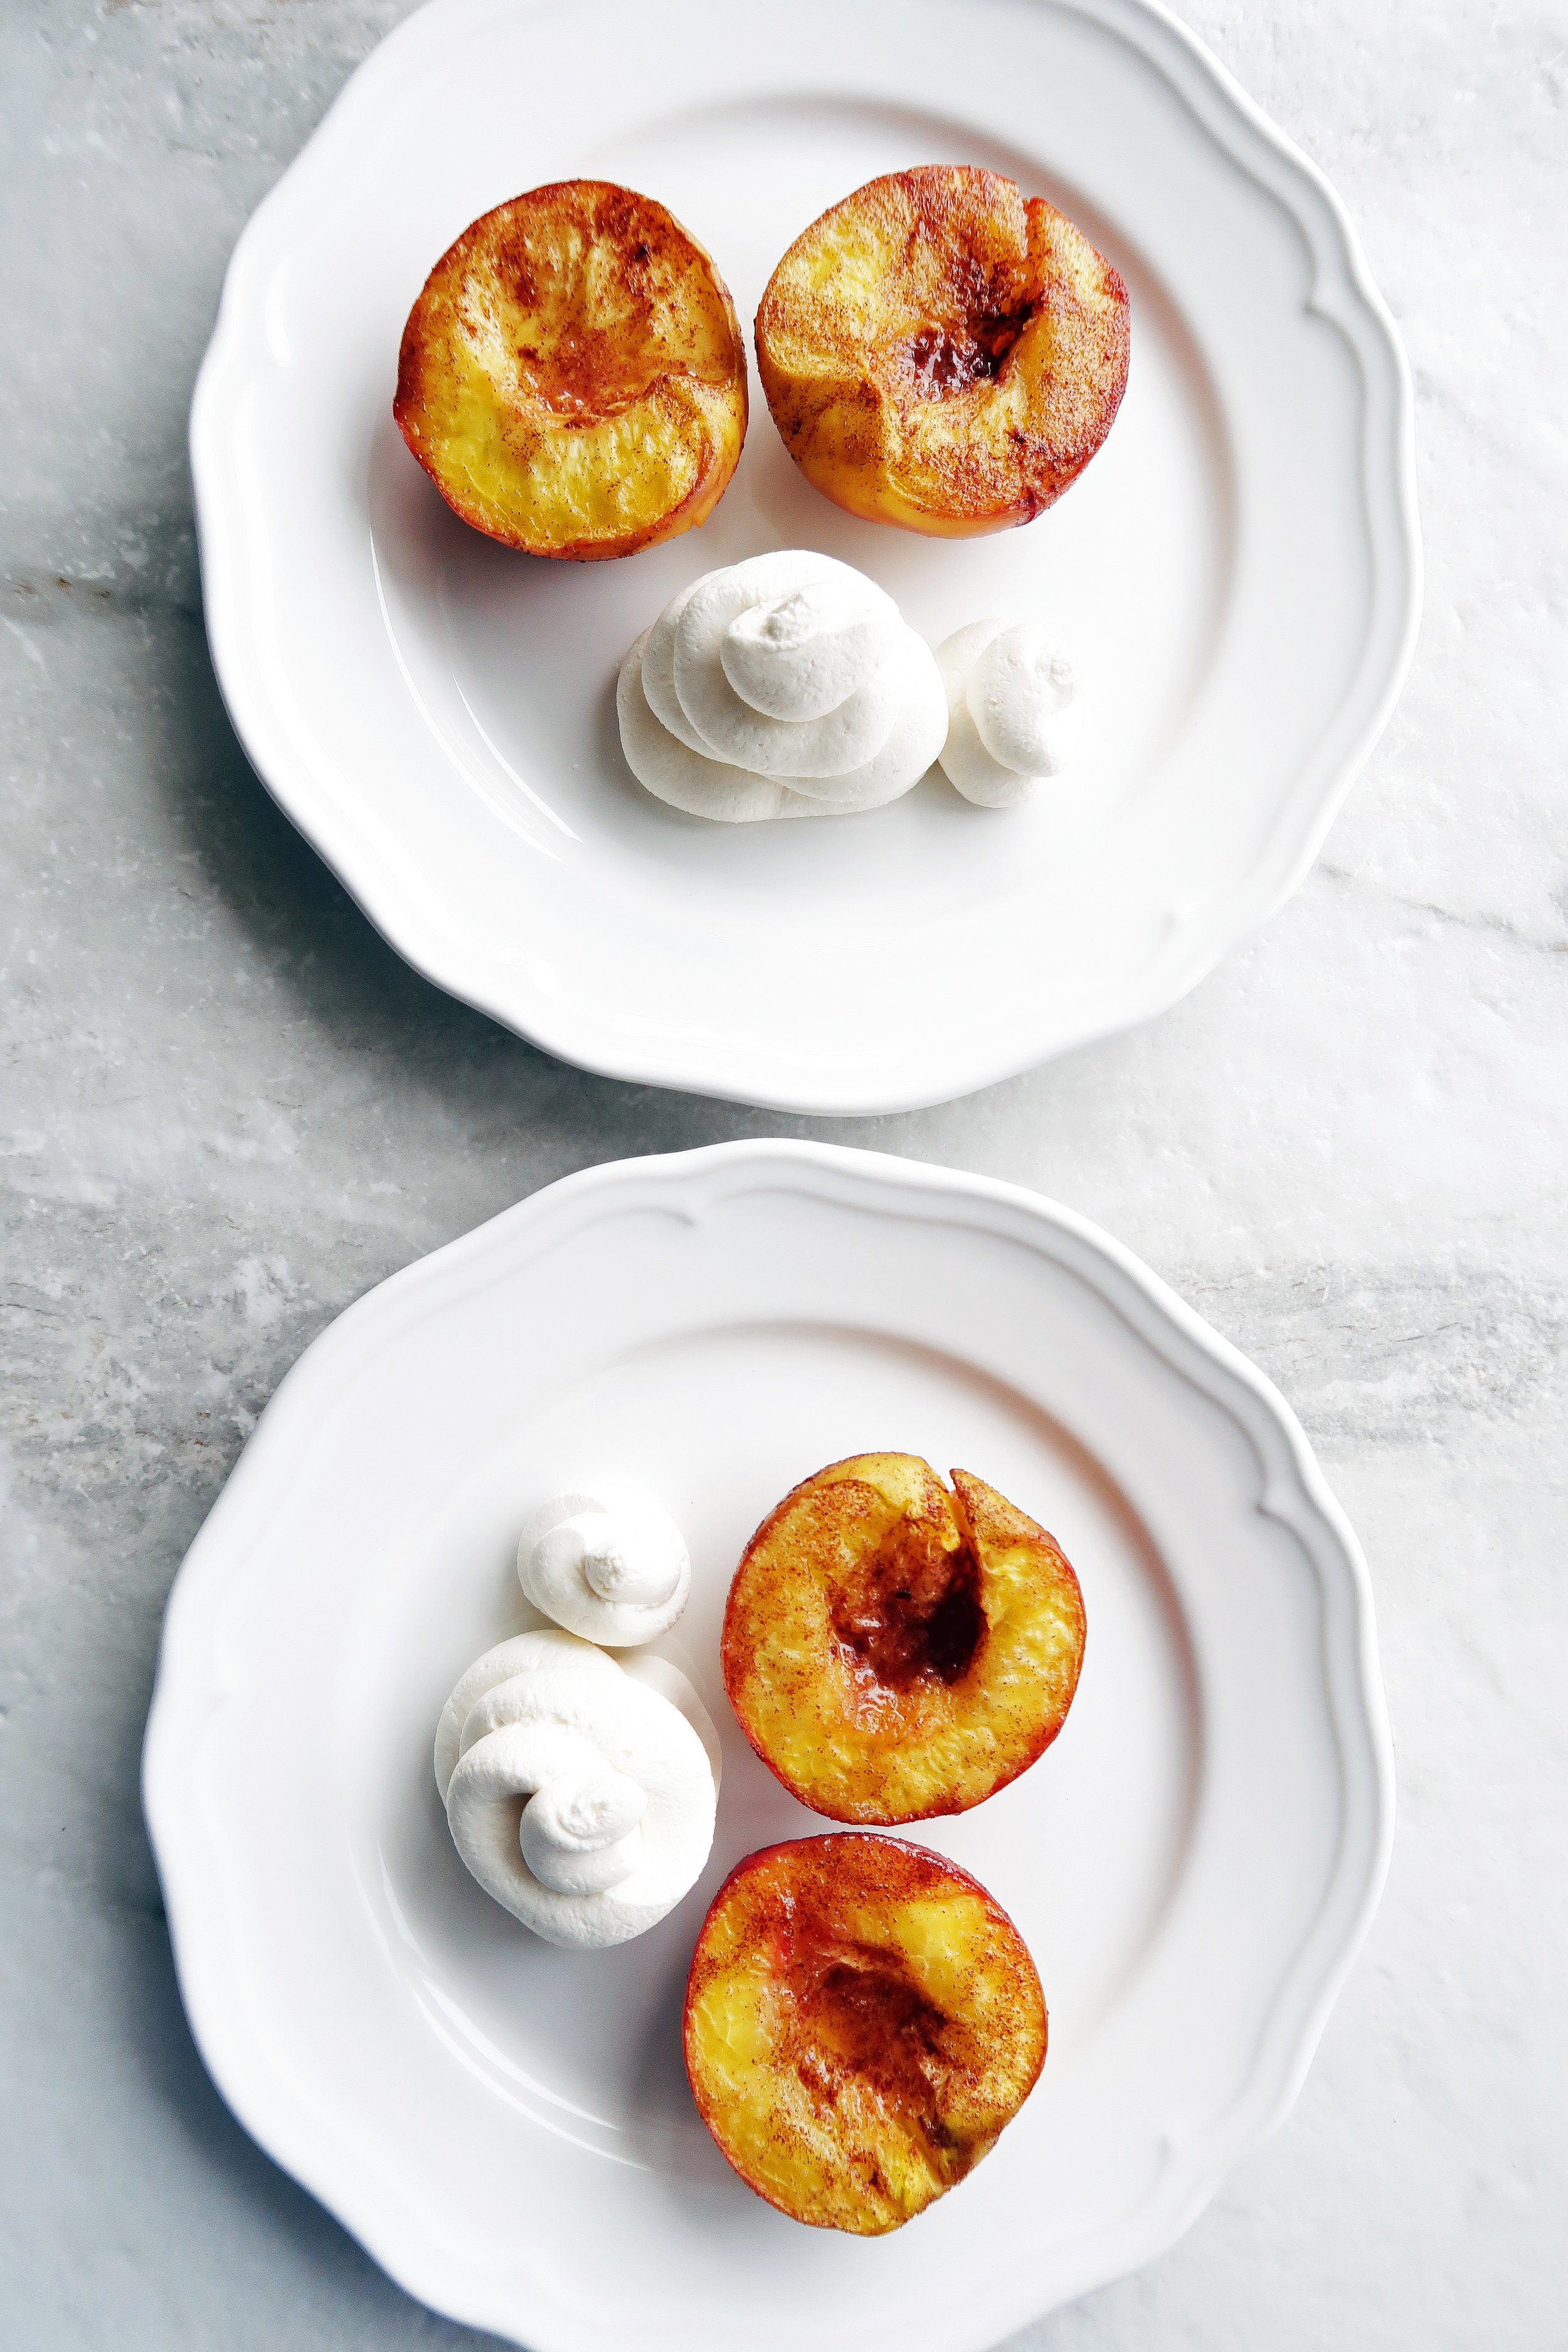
[894, 1650]
[572, 377]
[862, 2021]
[940, 353]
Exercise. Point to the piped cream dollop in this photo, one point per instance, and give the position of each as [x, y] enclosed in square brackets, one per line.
[579, 1793]
[1013, 711]
[785, 686]
[611, 1566]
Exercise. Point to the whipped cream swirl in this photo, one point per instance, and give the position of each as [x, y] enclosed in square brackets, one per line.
[580, 1793]
[785, 686]
[612, 1566]
[1013, 711]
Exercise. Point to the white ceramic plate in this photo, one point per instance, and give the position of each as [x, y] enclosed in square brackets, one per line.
[1238, 571]
[507, 2127]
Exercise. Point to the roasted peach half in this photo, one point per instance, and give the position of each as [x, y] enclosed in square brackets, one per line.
[862, 2021]
[941, 352]
[572, 377]
[893, 1651]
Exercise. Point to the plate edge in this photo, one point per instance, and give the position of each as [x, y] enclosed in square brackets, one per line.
[1251, 2116]
[1396, 571]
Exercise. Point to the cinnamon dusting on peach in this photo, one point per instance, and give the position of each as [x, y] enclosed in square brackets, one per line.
[572, 377]
[893, 1651]
[941, 352]
[862, 2021]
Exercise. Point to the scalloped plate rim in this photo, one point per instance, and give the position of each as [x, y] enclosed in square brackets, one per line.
[302, 2140]
[751, 1071]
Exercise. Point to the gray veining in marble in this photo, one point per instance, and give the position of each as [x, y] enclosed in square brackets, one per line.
[228, 1108]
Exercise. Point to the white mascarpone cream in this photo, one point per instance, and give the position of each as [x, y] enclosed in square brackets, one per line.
[580, 1793]
[1013, 711]
[785, 686]
[612, 1566]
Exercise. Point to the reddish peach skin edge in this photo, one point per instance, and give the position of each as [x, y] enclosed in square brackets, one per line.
[750, 1862]
[933, 1812]
[753, 1862]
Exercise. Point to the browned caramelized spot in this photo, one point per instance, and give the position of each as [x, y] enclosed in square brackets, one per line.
[944, 360]
[903, 2092]
[913, 1608]
[592, 373]
[971, 309]
[864, 2019]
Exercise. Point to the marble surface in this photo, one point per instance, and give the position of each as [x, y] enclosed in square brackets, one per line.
[228, 1108]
